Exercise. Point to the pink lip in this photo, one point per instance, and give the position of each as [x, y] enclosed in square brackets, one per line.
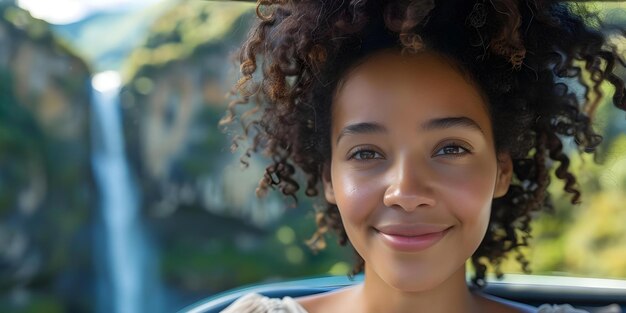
[412, 238]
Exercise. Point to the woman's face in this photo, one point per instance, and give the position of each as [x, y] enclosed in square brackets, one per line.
[413, 168]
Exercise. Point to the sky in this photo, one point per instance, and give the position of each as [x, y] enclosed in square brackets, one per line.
[69, 11]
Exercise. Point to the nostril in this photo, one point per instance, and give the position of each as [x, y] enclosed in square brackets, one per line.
[407, 201]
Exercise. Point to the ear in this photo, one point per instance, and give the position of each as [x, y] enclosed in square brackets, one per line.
[329, 192]
[505, 173]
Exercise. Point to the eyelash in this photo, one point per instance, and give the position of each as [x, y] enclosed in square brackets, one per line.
[455, 145]
[450, 145]
[360, 150]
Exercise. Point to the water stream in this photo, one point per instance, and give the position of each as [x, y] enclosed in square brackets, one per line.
[127, 281]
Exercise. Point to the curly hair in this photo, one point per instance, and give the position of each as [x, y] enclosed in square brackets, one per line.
[528, 58]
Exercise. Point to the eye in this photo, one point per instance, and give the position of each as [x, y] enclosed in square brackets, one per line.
[453, 150]
[365, 154]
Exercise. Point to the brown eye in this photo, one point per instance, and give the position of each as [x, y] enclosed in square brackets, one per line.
[365, 155]
[453, 150]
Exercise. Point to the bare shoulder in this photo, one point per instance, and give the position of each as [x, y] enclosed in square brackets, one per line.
[327, 301]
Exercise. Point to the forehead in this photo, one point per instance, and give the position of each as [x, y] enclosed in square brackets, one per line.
[421, 86]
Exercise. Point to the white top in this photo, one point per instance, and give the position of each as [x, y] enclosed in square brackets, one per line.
[256, 303]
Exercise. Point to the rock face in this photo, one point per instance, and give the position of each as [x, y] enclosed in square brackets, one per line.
[174, 96]
[46, 194]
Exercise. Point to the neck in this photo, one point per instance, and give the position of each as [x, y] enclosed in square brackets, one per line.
[451, 295]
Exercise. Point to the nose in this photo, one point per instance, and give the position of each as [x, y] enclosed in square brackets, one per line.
[409, 187]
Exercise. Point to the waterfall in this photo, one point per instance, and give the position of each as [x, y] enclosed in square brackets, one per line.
[127, 280]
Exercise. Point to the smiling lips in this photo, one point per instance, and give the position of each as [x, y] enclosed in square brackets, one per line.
[411, 237]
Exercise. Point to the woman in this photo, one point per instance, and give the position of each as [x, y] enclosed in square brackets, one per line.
[428, 128]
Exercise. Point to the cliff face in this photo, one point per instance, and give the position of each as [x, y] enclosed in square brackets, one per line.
[173, 97]
[48, 79]
[175, 82]
[46, 194]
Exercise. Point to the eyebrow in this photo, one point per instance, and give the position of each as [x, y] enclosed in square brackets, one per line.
[432, 124]
[361, 128]
[448, 122]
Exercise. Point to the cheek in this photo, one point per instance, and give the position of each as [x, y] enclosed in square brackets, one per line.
[469, 191]
[356, 197]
